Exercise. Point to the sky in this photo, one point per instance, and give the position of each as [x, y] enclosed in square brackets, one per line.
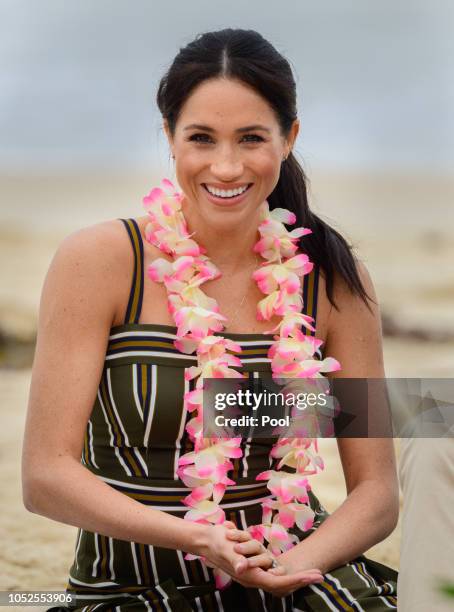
[78, 79]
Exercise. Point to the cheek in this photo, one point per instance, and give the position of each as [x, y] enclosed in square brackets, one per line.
[268, 167]
[187, 167]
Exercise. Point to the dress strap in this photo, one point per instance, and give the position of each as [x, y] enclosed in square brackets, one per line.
[136, 294]
[310, 293]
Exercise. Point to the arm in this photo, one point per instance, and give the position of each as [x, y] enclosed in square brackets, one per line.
[84, 283]
[370, 511]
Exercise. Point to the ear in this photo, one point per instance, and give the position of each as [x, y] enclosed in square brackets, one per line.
[165, 125]
[291, 138]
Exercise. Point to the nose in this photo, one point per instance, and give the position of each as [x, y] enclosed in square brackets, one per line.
[227, 165]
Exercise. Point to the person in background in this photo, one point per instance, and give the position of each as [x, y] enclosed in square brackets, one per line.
[426, 473]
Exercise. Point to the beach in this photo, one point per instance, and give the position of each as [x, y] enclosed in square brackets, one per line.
[402, 227]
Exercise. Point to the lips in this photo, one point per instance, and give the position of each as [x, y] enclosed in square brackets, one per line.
[226, 199]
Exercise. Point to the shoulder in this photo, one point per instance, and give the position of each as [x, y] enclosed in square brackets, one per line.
[349, 303]
[354, 334]
[103, 247]
[100, 237]
[350, 308]
[91, 263]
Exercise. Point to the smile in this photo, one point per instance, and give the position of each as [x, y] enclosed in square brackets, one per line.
[226, 193]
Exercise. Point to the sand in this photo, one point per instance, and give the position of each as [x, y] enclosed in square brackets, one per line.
[405, 244]
[36, 552]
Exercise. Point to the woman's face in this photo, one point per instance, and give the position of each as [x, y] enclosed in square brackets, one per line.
[227, 141]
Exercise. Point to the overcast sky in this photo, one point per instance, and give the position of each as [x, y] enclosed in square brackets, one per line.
[78, 79]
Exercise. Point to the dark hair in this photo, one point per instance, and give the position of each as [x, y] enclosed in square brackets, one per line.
[246, 56]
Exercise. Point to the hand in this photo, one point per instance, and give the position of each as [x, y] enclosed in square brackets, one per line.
[257, 554]
[275, 580]
[277, 585]
[218, 551]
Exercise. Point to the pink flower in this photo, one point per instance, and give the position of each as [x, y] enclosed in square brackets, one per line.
[198, 319]
[278, 303]
[291, 323]
[276, 242]
[283, 275]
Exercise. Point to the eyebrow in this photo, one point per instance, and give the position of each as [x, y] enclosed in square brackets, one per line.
[248, 128]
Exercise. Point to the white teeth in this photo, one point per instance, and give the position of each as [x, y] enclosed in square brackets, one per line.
[220, 193]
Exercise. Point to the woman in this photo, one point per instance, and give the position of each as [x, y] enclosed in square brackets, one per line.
[108, 381]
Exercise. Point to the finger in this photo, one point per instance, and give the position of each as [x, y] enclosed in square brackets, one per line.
[312, 580]
[316, 578]
[314, 570]
[264, 561]
[288, 580]
[238, 535]
[309, 576]
[229, 524]
[240, 564]
[251, 547]
[312, 575]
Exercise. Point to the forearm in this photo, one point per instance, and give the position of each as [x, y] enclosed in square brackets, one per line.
[366, 517]
[69, 493]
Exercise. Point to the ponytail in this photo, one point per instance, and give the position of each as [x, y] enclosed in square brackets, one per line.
[326, 247]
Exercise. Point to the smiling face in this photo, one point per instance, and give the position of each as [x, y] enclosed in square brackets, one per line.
[228, 150]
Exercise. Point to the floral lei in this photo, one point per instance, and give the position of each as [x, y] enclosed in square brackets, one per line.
[197, 317]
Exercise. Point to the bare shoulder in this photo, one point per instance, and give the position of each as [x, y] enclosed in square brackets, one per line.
[78, 301]
[349, 304]
[101, 240]
[353, 328]
[95, 263]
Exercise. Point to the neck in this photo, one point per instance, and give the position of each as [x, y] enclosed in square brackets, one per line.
[230, 248]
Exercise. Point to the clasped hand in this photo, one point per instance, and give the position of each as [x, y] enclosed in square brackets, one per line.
[249, 563]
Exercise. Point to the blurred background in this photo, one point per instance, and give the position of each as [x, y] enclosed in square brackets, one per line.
[81, 141]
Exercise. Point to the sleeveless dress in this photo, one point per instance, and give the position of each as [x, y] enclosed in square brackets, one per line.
[133, 439]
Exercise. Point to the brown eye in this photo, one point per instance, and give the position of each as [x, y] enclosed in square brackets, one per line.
[200, 138]
[253, 138]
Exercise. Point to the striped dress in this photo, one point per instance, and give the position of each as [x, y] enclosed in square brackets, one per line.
[133, 440]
